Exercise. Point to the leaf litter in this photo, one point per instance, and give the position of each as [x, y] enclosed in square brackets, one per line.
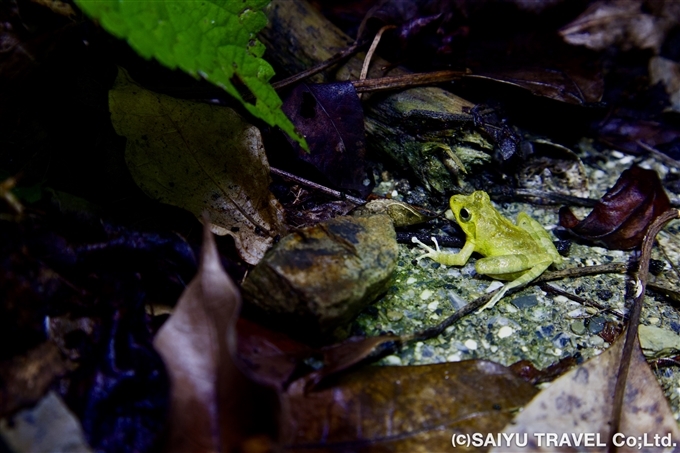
[199, 157]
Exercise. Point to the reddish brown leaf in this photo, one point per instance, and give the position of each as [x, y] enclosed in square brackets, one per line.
[331, 119]
[621, 217]
[270, 357]
[402, 409]
[213, 404]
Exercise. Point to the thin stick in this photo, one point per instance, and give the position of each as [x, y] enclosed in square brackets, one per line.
[371, 51]
[634, 320]
[335, 59]
[407, 80]
[305, 182]
[547, 287]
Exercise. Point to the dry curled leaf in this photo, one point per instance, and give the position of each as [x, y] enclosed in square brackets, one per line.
[621, 217]
[202, 158]
[331, 119]
[213, 404]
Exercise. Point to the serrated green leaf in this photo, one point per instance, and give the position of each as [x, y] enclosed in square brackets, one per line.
[214, 39]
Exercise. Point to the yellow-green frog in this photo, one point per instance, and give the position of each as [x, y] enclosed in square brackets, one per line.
[517, 252]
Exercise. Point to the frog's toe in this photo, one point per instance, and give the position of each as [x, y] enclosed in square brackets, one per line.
[494, 300]
[430, 251]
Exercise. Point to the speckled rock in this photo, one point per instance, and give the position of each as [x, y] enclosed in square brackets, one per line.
[320, 277]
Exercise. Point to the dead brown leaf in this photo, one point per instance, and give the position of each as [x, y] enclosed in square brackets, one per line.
[213, 404]
[402, 409]
[620, 219]
[580, 404]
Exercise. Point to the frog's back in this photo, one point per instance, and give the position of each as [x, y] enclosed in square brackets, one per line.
[499, 236]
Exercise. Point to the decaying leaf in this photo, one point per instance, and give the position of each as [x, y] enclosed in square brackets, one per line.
[202, 158]
[212, 402]
[402, 409]
[628, 135]
[620, 22]
[579, 404]
[621, 217]
[550, 83]
[331, 119]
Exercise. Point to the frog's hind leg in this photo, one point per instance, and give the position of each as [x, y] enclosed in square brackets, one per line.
[539, 235]
[511, 264]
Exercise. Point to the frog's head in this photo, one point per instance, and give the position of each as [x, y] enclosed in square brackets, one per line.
[468, 208]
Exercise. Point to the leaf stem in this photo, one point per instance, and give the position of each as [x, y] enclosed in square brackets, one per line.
[634, 320]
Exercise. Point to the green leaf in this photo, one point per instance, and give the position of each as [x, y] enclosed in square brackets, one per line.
[214, 39]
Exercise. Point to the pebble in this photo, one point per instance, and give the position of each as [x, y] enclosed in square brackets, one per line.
[432, 306]
[596, 324]
[426, 294]
[394, 315]
[524, 302]
[505, 332]
[392, 360]
[578, 327]
[471, 345]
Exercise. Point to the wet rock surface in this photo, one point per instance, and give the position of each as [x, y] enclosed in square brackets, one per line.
[320, 277]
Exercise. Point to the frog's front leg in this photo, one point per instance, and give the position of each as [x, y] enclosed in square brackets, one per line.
[448, 259]
[497, 266]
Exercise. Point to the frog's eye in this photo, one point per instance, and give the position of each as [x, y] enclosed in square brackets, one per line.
[465, 215]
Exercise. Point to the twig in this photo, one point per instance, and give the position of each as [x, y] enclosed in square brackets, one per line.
[659, 155]
[547, 287]
[631, 339]
[335, 59]
[305, 182]
[371, 51]
[407, 80]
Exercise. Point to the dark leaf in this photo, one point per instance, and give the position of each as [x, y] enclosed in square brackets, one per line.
[552, 83]
[528, 371]
[620, 219]
[349, 353]
[632, 136]
[274, 359]
[331, 119]
[402, 409]
[270, 357]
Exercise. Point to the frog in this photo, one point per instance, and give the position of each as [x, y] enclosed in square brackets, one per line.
[516, 252]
